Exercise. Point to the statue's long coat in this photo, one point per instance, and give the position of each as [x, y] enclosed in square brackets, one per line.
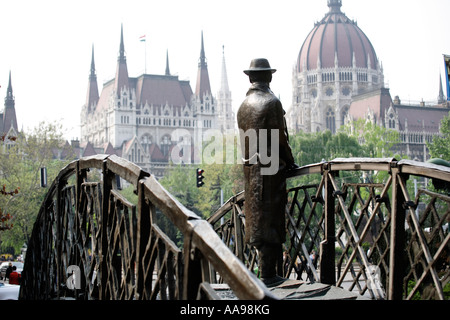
[265, 195]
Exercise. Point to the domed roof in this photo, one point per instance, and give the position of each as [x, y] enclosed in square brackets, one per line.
[336, 36]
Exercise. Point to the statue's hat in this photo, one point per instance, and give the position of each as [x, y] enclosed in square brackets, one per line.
[259, 64]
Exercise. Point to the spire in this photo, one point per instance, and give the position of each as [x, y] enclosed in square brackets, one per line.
[335, 6]
[9, 114]
[441, 98]
[203, 86]
[167, 63]
[224, 80]
[225, 118]
[92, 93]
[122, 47]
[92, 75]
[121, 79]
[202, 60]
[9, 91]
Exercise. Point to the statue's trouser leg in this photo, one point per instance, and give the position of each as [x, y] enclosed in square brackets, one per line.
[269, 255]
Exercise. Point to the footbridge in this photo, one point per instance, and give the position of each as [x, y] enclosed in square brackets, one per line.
[376, 227]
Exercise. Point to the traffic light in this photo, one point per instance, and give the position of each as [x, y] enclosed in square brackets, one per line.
[200, 177]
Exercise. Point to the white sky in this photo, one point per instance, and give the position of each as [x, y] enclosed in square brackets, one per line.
[47, 45]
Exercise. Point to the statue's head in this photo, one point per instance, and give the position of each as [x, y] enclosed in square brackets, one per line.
[260, 70]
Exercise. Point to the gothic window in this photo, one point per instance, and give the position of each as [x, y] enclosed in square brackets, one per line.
[391, 121]
[166, 142]
[344, 114]
[146, 141]
[331, 120]
[125, 99]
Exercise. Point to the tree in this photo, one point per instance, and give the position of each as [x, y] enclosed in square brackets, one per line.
[342, 145]
[20, 166]
[376, 141]
[440, 147]
[309, 148]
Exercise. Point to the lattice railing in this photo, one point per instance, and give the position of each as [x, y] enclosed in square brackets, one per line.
[370, 237]
[90, 242]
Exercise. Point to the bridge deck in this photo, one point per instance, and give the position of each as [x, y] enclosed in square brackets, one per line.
[298, 290]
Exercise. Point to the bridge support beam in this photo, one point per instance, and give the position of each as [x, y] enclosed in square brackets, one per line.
[397, 241]
[327, 247]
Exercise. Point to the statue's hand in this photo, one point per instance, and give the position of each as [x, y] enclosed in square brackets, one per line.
[293, 166]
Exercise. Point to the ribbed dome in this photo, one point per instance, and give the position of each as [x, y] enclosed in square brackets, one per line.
[336, 36]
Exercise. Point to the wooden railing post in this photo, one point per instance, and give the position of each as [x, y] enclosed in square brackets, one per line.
[327, 246]
[58, 215]
[397, 239]
[108, 177]
[192, 277]
[143, 236]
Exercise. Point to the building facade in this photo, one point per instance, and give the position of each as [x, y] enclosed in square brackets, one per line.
[143, 119]
[338, 78]
[336, 62]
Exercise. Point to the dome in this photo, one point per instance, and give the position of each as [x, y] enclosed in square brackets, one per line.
[336, 37]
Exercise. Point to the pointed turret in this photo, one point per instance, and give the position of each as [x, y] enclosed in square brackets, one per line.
[167, 63]
[203, 86]
[226, 117]
[441, 98]
[121, 80]
[224, 79]
[9, 114]
[92, 93]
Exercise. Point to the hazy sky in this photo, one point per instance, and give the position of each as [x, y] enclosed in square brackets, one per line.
[47, 45]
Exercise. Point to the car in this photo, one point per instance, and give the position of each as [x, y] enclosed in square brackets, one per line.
[9, 291]
[4, 266]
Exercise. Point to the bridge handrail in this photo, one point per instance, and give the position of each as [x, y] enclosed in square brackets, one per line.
[318, 215]
[202, 246]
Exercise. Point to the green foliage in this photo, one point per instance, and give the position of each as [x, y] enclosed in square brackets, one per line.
[20, 168]
[376, 141]
[440, 147]
[180, 181]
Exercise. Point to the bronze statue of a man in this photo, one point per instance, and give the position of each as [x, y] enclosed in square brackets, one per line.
[261, 119]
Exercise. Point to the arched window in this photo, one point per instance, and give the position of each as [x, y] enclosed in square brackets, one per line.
[166, 142]
[344, 114]
[146, 141]
[331, 120]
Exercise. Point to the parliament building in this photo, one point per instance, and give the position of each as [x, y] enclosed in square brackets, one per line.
[143, 118]
[338, 77]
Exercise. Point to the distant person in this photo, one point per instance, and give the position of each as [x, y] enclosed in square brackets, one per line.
[14, 276]
[8, 270]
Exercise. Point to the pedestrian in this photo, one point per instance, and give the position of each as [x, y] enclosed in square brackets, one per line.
[14, 276]
[8, 270]
[286, 262]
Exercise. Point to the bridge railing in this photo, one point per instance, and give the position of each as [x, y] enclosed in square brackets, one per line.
[362, 224]
[90, 242]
